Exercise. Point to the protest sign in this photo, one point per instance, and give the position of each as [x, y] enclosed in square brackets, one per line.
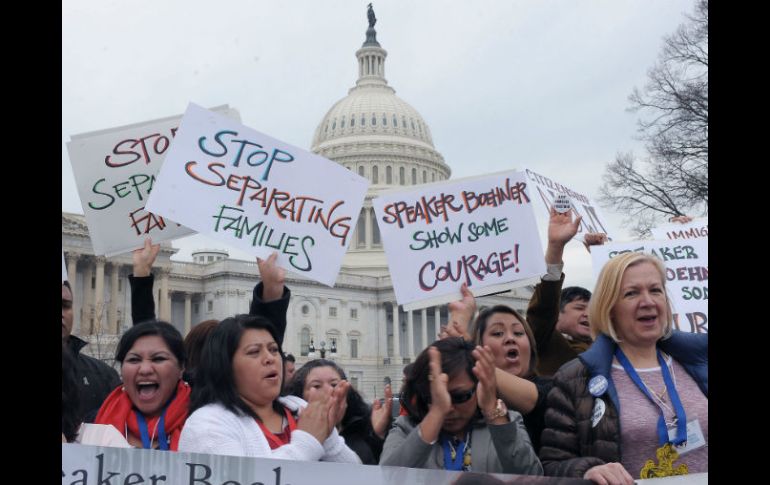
[480, 231]
[697, 228]
[115, 170]
[686, 276]
[259, 194]
[546, 191]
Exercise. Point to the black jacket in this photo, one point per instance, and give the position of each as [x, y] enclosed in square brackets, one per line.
[95, 379]
[143, 305]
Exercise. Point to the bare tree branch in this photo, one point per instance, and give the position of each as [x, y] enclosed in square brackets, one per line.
[673, 123]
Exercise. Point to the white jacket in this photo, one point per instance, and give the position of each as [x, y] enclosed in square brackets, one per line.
[215, 430]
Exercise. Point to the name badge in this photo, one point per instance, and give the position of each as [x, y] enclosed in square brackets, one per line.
[695, 437]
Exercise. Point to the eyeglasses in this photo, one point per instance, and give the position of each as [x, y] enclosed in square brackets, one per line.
[459, 397]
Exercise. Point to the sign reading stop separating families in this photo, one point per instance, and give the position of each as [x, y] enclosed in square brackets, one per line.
[480, 231]
[115, 170]
[259, 194]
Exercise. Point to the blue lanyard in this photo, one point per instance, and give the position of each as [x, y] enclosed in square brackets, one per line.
[449, 463]
[146, 442]
[681, 417]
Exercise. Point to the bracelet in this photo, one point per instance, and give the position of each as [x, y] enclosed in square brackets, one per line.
[499, 411]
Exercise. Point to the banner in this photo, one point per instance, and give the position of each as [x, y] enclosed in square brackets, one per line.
[256, 193]
[687, 270]
[97, 465]
[546, 190]
[115, 170]
[695, 229]
[480, 231]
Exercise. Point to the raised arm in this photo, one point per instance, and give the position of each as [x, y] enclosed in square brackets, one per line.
[270, 298]
[141, 281]
[543, 309]
[461, 313]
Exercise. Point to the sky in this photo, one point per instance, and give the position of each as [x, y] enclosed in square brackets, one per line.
[502, 84]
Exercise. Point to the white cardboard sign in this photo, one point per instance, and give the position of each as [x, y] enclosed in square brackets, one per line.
[115, 170]
[546, 191]
[259, 194]
[697, 228]
[479, 230]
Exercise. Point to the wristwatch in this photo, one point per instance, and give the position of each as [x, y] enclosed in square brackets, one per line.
[500, 410]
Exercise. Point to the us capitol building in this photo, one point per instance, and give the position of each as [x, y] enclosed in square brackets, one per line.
[357, 323]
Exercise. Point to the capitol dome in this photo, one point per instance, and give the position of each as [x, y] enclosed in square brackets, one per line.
[377, 135]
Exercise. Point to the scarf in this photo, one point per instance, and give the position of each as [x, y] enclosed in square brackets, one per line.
[119, 411]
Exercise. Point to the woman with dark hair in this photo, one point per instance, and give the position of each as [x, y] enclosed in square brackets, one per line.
[510, 337]
[363, 427]
[73, 429]
[193, 346]
[236, 408]
[150, 407]
[455, 420]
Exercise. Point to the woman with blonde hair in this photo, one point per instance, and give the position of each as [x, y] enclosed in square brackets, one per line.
[635, 404]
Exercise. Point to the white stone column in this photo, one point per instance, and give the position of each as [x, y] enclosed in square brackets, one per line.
[437, 320]
[88, 298]
[187, 313]
[368, 226]
[382, 329]
[112, 319]
[165, 298]
[72, 276]
[424, 325]
[99, 313]
[396, 334]
[410, 335]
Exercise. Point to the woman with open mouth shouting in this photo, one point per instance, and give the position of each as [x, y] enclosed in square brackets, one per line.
[236, 408]
[150, 407]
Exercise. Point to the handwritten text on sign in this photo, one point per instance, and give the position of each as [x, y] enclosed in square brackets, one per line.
[479, 231]
[259, 194]
[115, 171]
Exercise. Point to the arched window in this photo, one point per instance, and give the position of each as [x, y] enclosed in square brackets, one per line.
[334, 125]
[414, 176]
[304, 340]
[395, 122]
[401, 176]
[433, 176]
[375, 175]
[342, 123]
[361, 229]
[374, 120]
[352, 121]
[384, 120]
[424, 176]
[388, 175]
[363, 120]
[361, 171]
